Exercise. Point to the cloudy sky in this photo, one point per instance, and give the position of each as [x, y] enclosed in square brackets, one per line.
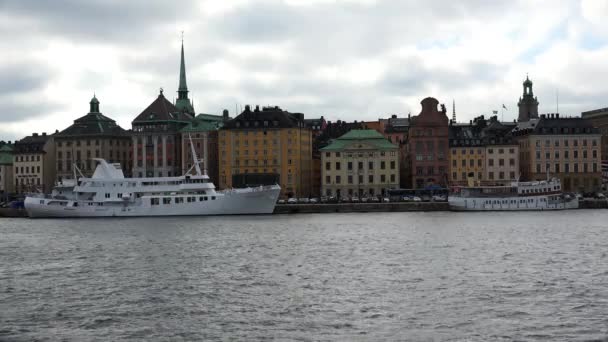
[344, 59]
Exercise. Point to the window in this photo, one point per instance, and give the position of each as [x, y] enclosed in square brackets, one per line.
[349, 166]
[350, 179]
[454, 175]
[337, 165]
[490, 151]
[327, 166]
[338, 179]
[370, 179]
[370, 165]
[501, 162]
[327, 179]
[382, 165]
[464, 163]
[491, 162]
[472, 162]
[511, 162]
[464, 175]
[501, 175]
[392, 178]
[392, 164]
[383, 178]
[491, 175]
[360, 179]
[512, 175]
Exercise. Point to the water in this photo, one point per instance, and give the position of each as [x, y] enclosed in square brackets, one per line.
[348, 277]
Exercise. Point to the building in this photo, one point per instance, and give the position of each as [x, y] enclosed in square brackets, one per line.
[6, 169]
[428, 146]
[528, 104]
[203, 133]
[567, 148]
[483, 152]
[599, 120]
[396, 130]
[34, 164]
[361, 162]
[156, 136]
[316, 126]
[267, 144]
[91, 136]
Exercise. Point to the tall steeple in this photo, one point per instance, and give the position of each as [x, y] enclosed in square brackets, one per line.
[183, 103]
[453, 110]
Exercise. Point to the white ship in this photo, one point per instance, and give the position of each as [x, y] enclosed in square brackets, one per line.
[537, 195]
[108, 193]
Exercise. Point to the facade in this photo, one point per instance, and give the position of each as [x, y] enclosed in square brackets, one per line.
[6, 169]
[567, 148]
[528, 104]
[267, 143]
[91, 136]
[156, 139]
[428, 145]
[359, 163]
[203, 132]
[34, 164]
[483, 152]
[396, 130]
[599, 120]
[156, 136]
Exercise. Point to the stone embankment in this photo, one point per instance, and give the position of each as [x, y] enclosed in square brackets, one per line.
[302, 208]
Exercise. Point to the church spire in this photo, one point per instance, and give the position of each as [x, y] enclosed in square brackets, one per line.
[183, 103]
[454, 110]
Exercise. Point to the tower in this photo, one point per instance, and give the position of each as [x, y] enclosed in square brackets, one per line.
[94, 105]
[453, 111]
[182, 103]
[528, 104]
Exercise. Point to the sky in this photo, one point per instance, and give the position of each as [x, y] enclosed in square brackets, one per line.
[341, 59]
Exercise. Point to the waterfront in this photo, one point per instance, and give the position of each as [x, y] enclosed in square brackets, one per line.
[377, 276]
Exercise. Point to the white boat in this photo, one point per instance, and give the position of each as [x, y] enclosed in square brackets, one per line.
[108, 193]
[537, 195]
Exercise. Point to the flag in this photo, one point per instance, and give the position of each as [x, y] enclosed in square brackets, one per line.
[494, 112]
[503, 106]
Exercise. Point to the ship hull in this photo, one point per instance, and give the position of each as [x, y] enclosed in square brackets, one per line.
[535, 203]
[231, 202]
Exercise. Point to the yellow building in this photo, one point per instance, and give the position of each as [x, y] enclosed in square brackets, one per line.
[360, 163]
[483, 151]
[34, 164]
[467, 162]
[567, 148]
[266, 145]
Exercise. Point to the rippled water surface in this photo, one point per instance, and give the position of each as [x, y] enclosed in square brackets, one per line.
[348, 277]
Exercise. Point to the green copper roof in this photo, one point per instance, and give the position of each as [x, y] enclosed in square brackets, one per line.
[6, 155]
[204, 123]
[364, 136]
[183, 103]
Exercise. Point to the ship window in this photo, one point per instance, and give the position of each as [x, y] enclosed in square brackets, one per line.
[107, 195]
[205, 198]
[213, 198]
[167, 200]
[154, 201]
[200, 199]
[179, 200]
[119, 195]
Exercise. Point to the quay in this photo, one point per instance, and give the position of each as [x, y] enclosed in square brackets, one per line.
[308, 208]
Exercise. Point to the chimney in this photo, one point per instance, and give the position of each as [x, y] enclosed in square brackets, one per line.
[557, 115]
[35, 134]
[257, 108]
[225, 115]
[44, 134]
[394, 116]
[247, 108]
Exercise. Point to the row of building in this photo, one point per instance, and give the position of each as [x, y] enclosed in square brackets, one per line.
[314, 157]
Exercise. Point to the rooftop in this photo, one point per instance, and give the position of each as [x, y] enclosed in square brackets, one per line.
[367, 136]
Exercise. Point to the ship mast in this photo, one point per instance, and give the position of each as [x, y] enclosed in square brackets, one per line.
[195, 158]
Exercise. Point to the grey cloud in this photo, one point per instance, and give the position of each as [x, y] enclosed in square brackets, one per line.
[99, 20]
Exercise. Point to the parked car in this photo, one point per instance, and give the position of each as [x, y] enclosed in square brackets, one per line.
[324, 199]
[374, 199]
[281, 201]
[438, 198]
[304, 200]
[332, 199]
[292, 200]
[600, 195]
[344, 199]
[354, 199]
[406, 198]
[364, 199]
[314, 200]
[416, 199]
[386, 200]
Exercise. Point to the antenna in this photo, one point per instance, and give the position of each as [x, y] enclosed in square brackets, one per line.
[454, 110]
[557, 100]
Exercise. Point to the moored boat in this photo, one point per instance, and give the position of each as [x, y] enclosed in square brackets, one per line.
[536, 195]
